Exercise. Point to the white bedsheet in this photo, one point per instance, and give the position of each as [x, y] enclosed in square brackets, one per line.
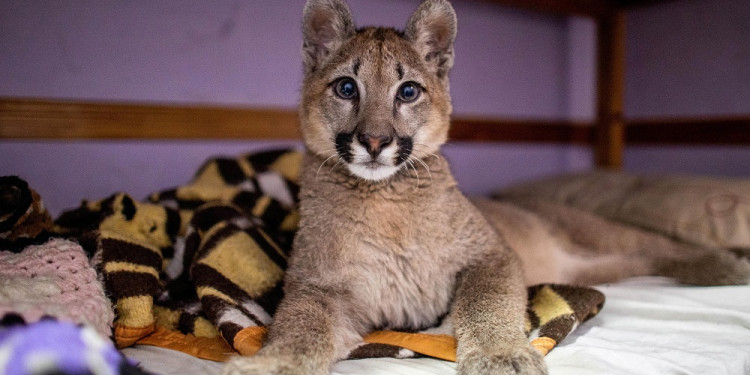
[649, 325]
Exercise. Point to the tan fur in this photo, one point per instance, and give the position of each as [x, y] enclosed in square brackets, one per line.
[562, 244]
[386, 239]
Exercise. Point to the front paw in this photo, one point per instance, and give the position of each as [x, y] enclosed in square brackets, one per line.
[260, 365]
[522, 360]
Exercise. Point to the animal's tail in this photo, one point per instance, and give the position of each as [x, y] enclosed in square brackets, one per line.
[708, 267]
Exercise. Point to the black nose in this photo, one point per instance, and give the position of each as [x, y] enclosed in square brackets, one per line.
[374, 144]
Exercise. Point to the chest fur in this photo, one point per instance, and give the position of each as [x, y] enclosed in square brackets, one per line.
[398, 289]
[394, 257]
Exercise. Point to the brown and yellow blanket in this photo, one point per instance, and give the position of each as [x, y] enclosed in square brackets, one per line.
[199, 268]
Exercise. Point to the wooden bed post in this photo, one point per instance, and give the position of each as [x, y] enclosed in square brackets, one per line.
[610, 124]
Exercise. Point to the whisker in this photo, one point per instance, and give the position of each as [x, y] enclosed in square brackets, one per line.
[436, 156]
[337, 164]
[425, 167]
[323, 163]
[431, 154]
[411, 164]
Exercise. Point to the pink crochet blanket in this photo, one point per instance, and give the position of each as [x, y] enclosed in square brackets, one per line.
[53, 279]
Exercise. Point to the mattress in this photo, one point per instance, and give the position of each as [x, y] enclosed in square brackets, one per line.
[649, 325]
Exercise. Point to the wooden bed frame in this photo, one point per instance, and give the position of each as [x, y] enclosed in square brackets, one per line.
[608, 133]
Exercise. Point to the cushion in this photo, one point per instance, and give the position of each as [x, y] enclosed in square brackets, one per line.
[705, 211]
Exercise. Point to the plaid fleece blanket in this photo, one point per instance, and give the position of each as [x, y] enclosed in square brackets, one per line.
[199, 268]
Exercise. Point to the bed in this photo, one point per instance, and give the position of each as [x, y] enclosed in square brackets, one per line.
[648, 325]
[640, 332]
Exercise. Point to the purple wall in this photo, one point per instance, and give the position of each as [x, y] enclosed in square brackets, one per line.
[154, 51]
[688, 58]
[510, 63]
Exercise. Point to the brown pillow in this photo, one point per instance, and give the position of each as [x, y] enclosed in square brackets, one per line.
[712, 212]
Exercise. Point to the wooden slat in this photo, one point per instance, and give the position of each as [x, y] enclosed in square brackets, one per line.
[45, 119]
[691, 131]
[531, 131]
[610, 127]
[40, 119]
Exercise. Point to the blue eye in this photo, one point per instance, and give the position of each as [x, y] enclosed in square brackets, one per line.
[346, 88]
[408, 92]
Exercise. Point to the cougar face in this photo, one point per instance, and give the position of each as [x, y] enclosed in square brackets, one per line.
[375, 99]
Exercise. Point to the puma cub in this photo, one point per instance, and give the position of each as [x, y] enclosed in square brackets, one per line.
[386, 239]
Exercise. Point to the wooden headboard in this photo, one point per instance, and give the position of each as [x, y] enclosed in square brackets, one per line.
[608, 133]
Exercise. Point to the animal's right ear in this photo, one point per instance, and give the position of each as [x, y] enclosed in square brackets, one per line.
[326, 24]
[432, 31]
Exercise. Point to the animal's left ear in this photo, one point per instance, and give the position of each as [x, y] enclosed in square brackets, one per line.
[432, 30]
